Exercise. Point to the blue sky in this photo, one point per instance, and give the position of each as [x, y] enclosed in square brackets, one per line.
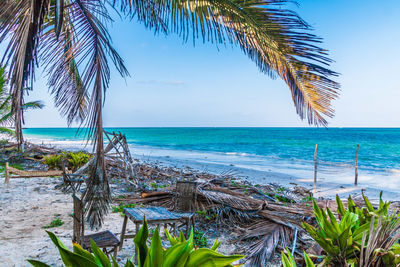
[175, 84]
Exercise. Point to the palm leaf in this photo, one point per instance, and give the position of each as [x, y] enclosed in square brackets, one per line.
[5, 130]
[275, 38]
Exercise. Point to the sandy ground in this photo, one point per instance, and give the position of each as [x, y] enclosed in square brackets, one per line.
[27, 205]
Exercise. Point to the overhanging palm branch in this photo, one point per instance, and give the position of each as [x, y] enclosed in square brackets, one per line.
[6, 114]
[70, 38]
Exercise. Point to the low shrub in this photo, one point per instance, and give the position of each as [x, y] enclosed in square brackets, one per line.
[71, 160]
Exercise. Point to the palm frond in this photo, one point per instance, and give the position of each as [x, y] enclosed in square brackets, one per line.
[5, 130]
[266, 238]
[21, 21]
[93, 47]
[33, 105]
[275, 38]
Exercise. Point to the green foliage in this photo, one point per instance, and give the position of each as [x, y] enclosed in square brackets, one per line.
[288, 261]
[155, 185]
[121, 208]
[6, 115]
[72, 160]
[57, 222]
[14, 165]
[199, 239]
[180, 253]
[77, 159]
[344, 239]
[3, 142]
[53, 161]
[207, 215]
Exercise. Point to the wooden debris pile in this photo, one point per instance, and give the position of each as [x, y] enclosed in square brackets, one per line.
[262, 221]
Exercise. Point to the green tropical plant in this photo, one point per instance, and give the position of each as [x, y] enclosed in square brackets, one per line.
[71, 39]
[77, 159]
[53, 161]
[288, 261]
[180, 253]
[6, 115]
[72, 160]
[361, 237]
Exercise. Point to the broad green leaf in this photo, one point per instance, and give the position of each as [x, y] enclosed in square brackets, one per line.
[172, 240]
[84, 253]
[38, 263]
[129, 263]
[140, 243]
[368, 204]
[340, 208]
[215, 245]
[175, 253]
[104, 260]
[285, 261]
[308, 261]
[206, 257]
[156, 252]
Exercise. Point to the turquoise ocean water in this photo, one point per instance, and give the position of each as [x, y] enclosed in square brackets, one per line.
[282, 150]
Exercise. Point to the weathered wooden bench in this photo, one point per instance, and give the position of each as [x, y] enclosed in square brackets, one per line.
[27, 174]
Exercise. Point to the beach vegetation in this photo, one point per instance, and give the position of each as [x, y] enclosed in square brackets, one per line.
[121, 208]
[53, 161]
[289, 261]
[208, 215]
[365, 236]
[6, 112]
[70, 39]
[71, 160]
[181, 252]
[3, 142]
[157, 185]
[77, 159]
[14, 165]
[200, 239]
[57, 222]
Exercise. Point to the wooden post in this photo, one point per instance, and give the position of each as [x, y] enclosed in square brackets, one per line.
[7, 173]
[356, 167]
[315, 168]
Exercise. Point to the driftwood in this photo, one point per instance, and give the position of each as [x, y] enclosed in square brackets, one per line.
[119, 161]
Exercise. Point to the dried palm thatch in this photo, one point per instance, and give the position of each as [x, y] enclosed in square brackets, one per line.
[265, 238]
[263, 225]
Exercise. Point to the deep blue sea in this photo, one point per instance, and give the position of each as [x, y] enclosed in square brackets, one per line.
[283, 150]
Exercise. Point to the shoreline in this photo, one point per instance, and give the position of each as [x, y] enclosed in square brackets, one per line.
[325, 189]
[31, 204]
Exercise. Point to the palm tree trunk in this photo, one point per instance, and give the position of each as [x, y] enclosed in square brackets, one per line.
[18, 128]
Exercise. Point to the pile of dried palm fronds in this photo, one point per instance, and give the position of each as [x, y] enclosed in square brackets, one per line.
[263, 222]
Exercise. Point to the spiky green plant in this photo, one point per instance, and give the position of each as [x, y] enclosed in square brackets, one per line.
[180, 253]
[288, 261]
[361, 236]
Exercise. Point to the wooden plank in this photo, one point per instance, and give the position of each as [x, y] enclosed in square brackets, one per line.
[151, 214]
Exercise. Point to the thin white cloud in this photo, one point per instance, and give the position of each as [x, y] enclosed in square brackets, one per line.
[156, 82]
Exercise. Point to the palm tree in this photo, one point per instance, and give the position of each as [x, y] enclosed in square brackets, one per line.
[70, 39]
[6, 116]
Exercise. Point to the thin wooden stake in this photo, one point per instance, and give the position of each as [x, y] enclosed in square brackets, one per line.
[7, 173]
[356, 167]
[315, 168]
